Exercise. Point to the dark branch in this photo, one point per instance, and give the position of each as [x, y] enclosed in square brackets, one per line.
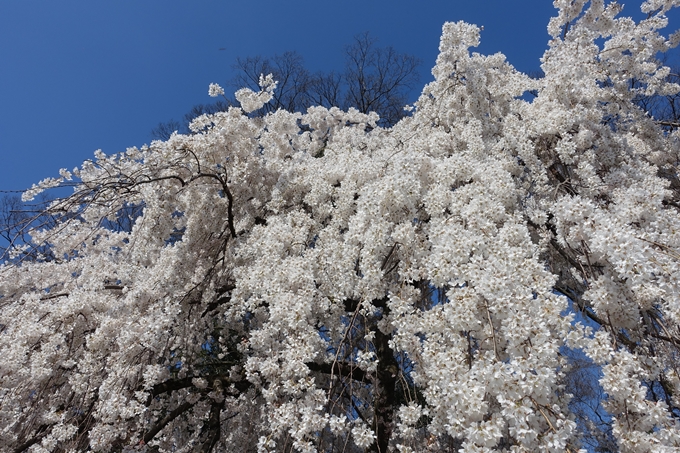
[164, 422]
[179, 384]
[338, 369]
[42, 431]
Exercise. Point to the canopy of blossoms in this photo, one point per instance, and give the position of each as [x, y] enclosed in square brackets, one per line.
[313, 282]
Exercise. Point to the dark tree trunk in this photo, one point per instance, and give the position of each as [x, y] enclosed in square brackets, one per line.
[385, 384]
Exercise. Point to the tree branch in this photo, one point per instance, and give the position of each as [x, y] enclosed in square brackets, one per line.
[179, 384]
[164, 422]
[338, 369]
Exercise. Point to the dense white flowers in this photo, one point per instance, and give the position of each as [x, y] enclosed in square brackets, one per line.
[363, 435]
[215, 90]
[250, 100]
[313, 282]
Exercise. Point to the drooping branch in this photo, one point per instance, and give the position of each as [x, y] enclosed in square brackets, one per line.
[230, 198]
[42, 431]
[224, 297]
[179, 410]
[230, 210]
[586, 311]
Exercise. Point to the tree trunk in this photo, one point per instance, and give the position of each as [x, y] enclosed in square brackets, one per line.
[386, 380]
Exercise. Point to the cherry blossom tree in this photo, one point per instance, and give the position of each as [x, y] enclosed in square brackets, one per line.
[315, 282]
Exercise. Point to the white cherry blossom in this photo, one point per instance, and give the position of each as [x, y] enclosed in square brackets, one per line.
[314, 282]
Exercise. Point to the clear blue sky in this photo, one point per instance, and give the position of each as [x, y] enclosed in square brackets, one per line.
[81, 75]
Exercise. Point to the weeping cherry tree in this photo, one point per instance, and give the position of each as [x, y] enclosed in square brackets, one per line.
[315, 282]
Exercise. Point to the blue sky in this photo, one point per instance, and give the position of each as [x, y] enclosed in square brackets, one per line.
[81, 75]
